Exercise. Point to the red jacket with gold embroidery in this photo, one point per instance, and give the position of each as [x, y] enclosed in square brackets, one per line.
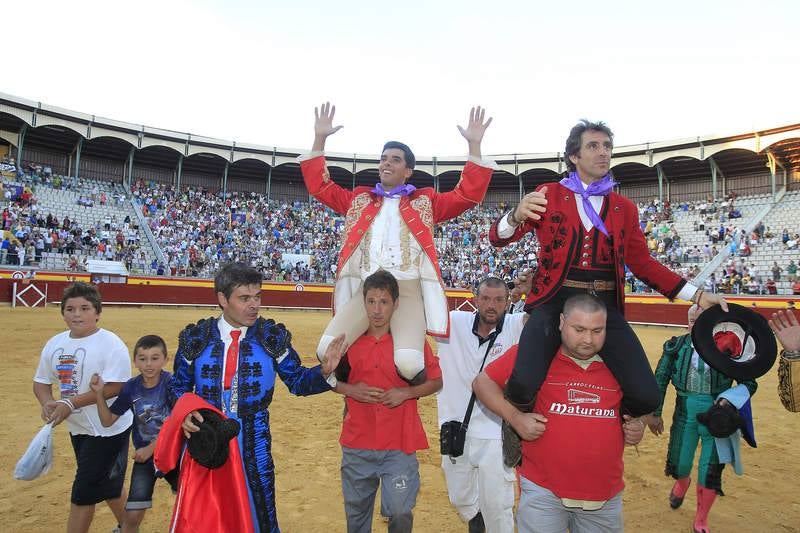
[558, 232]
[420, 211]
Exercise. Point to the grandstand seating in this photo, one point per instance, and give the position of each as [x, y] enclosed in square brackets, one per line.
[770, 250]
[64, 202]
[197, 230]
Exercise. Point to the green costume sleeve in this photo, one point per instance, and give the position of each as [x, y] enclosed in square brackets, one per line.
[664, 370]
[751, 385]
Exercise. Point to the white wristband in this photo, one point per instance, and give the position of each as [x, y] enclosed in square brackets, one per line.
[68, 403]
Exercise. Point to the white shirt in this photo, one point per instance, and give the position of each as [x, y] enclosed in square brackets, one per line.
[70, 363]
[517, 307]
[225, 330]
[390, 245]
[460, 359]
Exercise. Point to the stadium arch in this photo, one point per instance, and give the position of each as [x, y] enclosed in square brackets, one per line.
[763, 160]
[249, 175]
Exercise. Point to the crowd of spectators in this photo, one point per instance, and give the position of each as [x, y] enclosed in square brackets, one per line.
[465, 255]
[198, 230]
[299, 241]
[717, 220]
[28, 232]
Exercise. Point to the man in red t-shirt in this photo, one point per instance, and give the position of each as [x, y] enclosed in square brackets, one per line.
[573, 440]
[382, 430]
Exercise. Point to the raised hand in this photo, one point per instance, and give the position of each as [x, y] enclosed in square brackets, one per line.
[333, 354]
[475, 129]
[787, 330]
[323, 121]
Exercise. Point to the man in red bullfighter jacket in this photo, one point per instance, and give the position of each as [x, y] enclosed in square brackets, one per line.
[587, 234]
[390, 227]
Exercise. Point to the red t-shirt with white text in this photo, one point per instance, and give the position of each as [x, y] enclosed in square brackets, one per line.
[579, 455]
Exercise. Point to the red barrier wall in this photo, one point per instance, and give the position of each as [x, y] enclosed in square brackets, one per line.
[646, 309]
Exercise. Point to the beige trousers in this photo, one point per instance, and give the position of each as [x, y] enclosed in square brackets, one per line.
[408, 327]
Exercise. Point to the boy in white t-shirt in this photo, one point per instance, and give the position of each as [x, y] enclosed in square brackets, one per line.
[69, 359]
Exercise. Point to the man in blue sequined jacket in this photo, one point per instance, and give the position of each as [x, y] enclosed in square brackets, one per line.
[232, 361]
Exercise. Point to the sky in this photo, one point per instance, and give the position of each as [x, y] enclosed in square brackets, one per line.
[252, 71]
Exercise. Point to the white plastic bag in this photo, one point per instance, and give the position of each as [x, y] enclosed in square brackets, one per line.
[38, 458]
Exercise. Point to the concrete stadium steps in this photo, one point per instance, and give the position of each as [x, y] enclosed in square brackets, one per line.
[785, 214]
[64, 202]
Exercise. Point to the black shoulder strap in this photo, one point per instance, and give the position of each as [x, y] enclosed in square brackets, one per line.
[468, 414]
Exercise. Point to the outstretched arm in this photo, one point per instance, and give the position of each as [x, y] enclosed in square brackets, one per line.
[474, 182]
[323, 125]
[475, 129]
[315, 173]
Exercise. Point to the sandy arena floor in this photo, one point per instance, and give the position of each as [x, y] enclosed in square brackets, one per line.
[307, 455]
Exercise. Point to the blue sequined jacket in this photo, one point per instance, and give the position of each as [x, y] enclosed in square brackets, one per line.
[264, 353]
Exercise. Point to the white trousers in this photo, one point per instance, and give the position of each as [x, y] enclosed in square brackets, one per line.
[478, 481]
[408, 327]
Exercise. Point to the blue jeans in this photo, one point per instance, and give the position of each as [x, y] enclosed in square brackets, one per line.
[396, 473]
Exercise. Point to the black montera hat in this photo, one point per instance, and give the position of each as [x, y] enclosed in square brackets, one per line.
[722, 420]
[210, 446]
[739, 343]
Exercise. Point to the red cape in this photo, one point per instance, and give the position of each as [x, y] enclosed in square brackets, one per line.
[208, 501]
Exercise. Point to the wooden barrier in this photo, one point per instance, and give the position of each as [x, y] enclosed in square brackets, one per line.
[643, 309]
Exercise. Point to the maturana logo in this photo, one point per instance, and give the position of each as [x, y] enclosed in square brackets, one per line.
[577, 410]
[579, 396]
[576, 398]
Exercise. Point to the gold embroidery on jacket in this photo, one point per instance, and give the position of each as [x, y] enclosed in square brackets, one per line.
[354, 213]
[405, 247]
[366, 244]
[422, 205]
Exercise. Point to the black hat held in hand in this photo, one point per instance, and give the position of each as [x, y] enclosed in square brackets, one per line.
[209, 446]
[721, 419]
[738, 343]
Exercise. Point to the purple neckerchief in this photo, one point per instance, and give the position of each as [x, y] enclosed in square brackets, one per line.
[601, 187]
[401, 190]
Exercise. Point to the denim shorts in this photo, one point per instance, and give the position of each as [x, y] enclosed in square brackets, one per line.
[143, 481]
